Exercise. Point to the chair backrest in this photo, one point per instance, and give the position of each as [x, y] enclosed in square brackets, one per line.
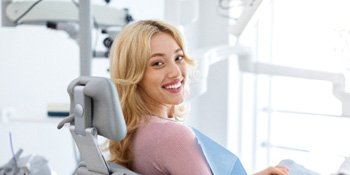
[101, 98]
[95, 110]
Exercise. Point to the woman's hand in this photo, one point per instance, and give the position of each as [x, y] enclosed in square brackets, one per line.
[276, 170]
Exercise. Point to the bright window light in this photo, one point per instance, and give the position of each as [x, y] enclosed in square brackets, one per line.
[295, 118]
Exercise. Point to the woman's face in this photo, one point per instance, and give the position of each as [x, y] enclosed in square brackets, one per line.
[164, 76]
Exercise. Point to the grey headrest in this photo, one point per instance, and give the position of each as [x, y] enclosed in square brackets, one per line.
[107, 116]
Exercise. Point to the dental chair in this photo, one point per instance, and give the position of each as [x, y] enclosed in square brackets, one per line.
[95, 110]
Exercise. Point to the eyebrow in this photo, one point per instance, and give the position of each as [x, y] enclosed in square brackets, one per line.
[161, 54]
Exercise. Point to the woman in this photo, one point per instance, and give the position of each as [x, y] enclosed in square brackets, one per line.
[148, 66]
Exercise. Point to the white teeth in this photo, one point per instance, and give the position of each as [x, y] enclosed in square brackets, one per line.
[174, 86]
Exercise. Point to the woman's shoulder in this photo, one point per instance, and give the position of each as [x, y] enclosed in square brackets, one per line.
[169, 146]
[168, 127]
[164, 130]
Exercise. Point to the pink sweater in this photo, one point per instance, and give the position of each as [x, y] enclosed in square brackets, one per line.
[162, 146]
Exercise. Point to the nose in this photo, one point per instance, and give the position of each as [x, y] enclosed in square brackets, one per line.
[174, 70]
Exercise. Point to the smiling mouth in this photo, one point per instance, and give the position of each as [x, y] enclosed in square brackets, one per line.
[173, 86]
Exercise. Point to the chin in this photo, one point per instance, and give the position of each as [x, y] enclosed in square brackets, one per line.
[176, 101]
[179, 101]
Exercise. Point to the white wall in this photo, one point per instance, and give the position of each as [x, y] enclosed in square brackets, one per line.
[36, 66]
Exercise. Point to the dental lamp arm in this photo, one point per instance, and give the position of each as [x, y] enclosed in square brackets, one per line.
[337, 79]
[245, 63]
[247, 14]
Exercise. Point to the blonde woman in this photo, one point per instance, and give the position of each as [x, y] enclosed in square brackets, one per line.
[148, 65]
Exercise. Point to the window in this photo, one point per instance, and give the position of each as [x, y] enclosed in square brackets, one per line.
[293, 117]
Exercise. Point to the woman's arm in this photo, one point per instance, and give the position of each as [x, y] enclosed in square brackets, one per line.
[181, 153]
[277, 170]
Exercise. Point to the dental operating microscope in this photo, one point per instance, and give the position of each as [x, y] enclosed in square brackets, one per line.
[77, 19]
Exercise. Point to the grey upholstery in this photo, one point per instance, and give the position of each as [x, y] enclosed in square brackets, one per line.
[107, 114]
[95, 110]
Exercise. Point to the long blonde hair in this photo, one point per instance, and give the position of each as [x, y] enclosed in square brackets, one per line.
[129, 54]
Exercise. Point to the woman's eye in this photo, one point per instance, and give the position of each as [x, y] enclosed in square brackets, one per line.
[179, 58]
[157, 64]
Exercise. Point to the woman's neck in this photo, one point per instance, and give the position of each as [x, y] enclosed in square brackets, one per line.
[163, 111]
